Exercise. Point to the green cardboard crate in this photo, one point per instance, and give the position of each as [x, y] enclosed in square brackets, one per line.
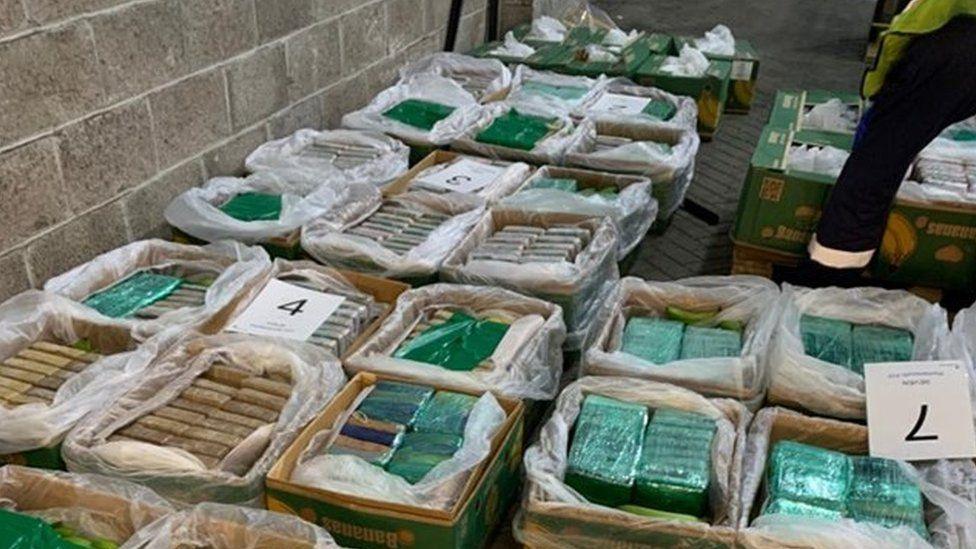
[41, 458]
[710, 91]
[547, 57]
[523, 30]
[790, 106]
[632, 58]
[743, 77]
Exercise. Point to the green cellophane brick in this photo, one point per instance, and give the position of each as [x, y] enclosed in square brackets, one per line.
[421, 452]
[395, 402]
[699, 342]
[446, 413]
[606, 446]
[880, 344]
[253, 207]
[783, 506]
[962, 134]
[881, 493]
[413, 466]
[133, 293]
[22, 531]
[568, 93]
[680, 418]
[460, 344]
[808, 474]
[655, 340]
[674, 470]
[418, 113]
[827, 339]
[559, 184]
[517, 131]
[662, 110]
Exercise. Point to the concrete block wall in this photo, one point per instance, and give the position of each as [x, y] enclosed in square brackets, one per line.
[110, 108]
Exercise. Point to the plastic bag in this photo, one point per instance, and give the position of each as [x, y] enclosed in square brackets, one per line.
[750, 300]
[797, 379]
[558, 94]
[824, 160]
[511, 47]
[232, 266]
[718, 41]
[622, 105]
[832, 115]
[480, 77]
[547, 29]
[325, 240]
[432, 89]
[94, 506]
[508, 176]
[315, 377]
[526, 364]
[332, 154]
[617, 38]
[546, 460]
[689, 62]
[219, 526]
[632, 207]
[574, 13]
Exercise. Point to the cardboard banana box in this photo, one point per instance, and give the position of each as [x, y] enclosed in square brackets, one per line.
[710, 91]
[743, 77]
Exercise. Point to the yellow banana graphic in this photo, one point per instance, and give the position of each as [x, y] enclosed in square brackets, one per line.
[900, 240]
[950, 254]
[708, 110]
[743, 91]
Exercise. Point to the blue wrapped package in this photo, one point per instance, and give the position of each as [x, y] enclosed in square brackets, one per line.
[655, 340]
[827, 339]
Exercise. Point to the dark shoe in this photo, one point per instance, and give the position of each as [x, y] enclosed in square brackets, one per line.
[811, 274]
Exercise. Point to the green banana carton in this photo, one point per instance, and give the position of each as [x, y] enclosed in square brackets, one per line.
[744, 73]
[710, 91]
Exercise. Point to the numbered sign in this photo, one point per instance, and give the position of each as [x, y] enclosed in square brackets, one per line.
[615, 103]
[287, 311]
[463, 176]
[919, 410]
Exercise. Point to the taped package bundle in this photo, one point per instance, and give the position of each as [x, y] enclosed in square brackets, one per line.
[152, 285]
[209, 418]
[559, 93]
[531, 132]
[808, 483]
[346, 155]
[625, 104]
[565, 259]
[636, 461]
[482, 78]
[422, 110]
[665, 155]
[218, 526]
[627, 199]
[47, 509]
[473, 337]
[825, 336]
[58, 362]
[444, 172]
[403, 443]
[405, 236]
[948, 164]
[710, 334]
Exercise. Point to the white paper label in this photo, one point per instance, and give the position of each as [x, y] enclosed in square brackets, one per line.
[463, 176]
[742, 70]
[919, 410]
[287, 311]
[614, 103]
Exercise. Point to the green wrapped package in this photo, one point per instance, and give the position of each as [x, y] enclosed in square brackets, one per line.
[827, 339]
[461, 343]
[135, 292]
[253, 207]
[655, 340]
[431, 443]
[606, 445]
[688, 420]
[421, 452]
[568, 93]
[808, 474]
[20, 531]
[701, 342]
[379, 459]
[517, 131]
[880, 344]
[418, 113]
[395, 402]
[784, 506]
[662, 110]
[882, 493]
[446, 413]
[559, 184]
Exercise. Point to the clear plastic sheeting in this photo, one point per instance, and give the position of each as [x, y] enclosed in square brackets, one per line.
[832, 115]
[555, 515]
[325, 155]
[315, 376]
[961, 345]
[800, 380]
[94, 506]
[718, 41]
[688, 62]
[621, 105]
[511, 47]
[234, 267]
[747, 301]
[824, 160]
[559, 93]
[480, 77]
[574, 13]
[217, 526]
[526, 363]
[434, 90]
[547, 29]
[631, 206]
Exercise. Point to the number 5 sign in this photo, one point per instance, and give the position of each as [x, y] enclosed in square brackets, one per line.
[919, 410]
[285, 310]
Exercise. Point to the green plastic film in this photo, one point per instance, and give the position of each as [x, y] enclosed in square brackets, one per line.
[655, 340]
[377, 458]
[431, 443]
[783, 506]
[701, 342]
[661, 110]
[20, 531]
[395, 402]
[559, 184]
[135, 292]
[827, 339]
[962, 134]
[883, 494]
[568, 93]
[808, 474]
[446, 413]
[654, 513]
[413, 466]
[460, 344]
[418, 113]
[674, 470]
[253, 207]
[880, 344]
[517, 131]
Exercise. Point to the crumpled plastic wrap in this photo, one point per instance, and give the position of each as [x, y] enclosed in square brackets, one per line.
[797, 379]
[559, 93]
[480, 77]
[718, 41]
[633, 209]
[323, 238]
[217, 526]
[824, 160]
[93, 505]
[384, 158]
[421, 87]
[579, 287]
[685, 117]
[512, 175]
[526, 364]
[574, 13]
[547, 29]
[751, 300]
[439, 489]
[316, 376]
[689, 62]
[548, 500]
[951, 519]
[832, 115]
[235, 267]
[511, 47]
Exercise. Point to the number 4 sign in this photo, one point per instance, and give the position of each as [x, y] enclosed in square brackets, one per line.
[919, 410]
[285, 310]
